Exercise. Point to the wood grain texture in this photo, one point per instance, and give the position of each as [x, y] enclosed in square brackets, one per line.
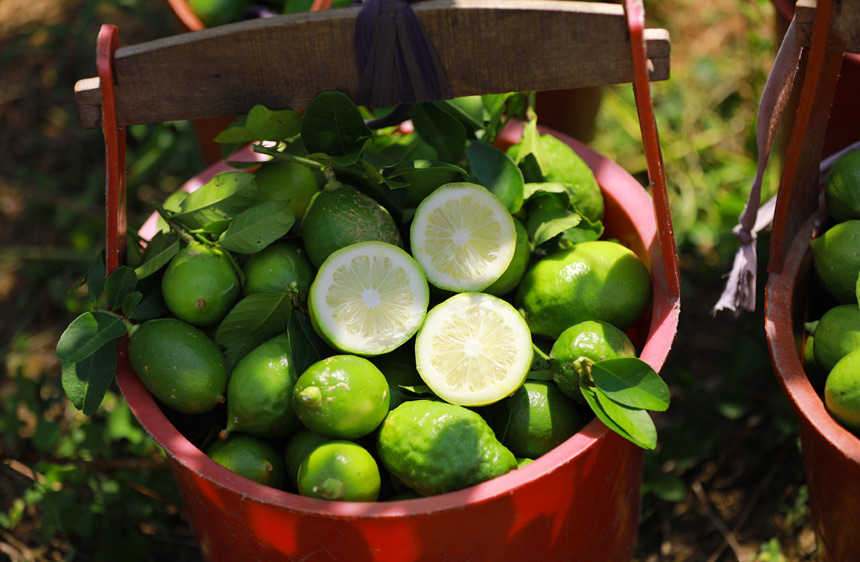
[844, 27]
[486, 46]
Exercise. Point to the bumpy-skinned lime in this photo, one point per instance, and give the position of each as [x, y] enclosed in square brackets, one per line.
[200, 285]
[842, 188]
[836, 254]
[343, 216]
[260, 389]
[842, 390]
[535, 419]
[837, 335]
[598, 280]
[343, 396]
[286, 181]
[251, 457]
[592, 339]
[435, 447]
[339, 470]
[517, 268]
[179, 365]
[301, 443]
[277, 268]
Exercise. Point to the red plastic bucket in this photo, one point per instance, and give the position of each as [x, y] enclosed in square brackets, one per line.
[580, 501]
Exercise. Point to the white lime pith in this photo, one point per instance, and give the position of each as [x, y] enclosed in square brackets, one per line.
[368, 298]
[463, 236]
[473, 349]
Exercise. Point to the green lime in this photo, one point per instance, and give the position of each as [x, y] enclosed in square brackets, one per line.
[399, 370]
[286, 181]
[842, 188]
[473, 349]
[463, 236]
[259, 391]
[200, 285]
[178, 364]
[339, 471]
[837, 334]
[535, 419]
[842, 390]
[218, 12]
[592, 339]
[836, 254]
[435, 447]
[343, 216]
[279, 267]
[251, 457]
[368, 298]
[343, 396]
[517, 268]
[598, 280]
[301, 443]
[521, 462]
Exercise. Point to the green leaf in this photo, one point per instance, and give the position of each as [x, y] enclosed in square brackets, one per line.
[259, 226]
[585, 231]
[224, 196]
[86, 381]
[468, 110]
[306, 347]
[548, 217]
[151, 304]
[532, 189]
[252, 321]
[158, 253]
[87, 333]
[497, 171]
[96, 277]
[419, 389]
[119, 284]
[263, 124]
[631, 382]
[440, 130]
[130, 302]
[632, 424]
[540, 375]
[333, 125]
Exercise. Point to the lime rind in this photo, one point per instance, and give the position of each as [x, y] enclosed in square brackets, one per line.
[368, 298]
[463, 237]
[473, 349]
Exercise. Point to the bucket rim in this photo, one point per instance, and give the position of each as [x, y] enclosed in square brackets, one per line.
[617, 184]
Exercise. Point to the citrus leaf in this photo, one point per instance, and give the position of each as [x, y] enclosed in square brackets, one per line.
[497, 171]
[548, 217]
[540, 375]
[259, 226]
[130, 302]
[96, 277]
[531, 189]
[306, 347]
[216, 227]
[585, 231]
[119, 284]
[632, 424]
[459, 109]
[252, 321]
[224, 196]
[333, 125]
[440, 130]
[263, 124]
[158, 253]
[86, 381]
[151, 304]
[631, 382]
[87, 333]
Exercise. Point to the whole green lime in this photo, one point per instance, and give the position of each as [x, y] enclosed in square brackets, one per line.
[339, 470]
[259, 391]
[340, 217]
[218, 12]
[517, 268]
[251, 457]
[343, 396]
[200, 285]
[593, 340]
[842, 390]
[836, 254]
[301, 443]
[286, 181]
[435, 447]
[837, 335]
[535, 419]
[598, 280]
[277, 268]
[178, 364]
[842, 188]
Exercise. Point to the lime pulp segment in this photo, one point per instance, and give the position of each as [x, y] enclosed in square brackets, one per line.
[368, 298]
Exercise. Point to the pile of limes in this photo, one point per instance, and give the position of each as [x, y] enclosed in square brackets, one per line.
[835, 336]
[409, 349]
